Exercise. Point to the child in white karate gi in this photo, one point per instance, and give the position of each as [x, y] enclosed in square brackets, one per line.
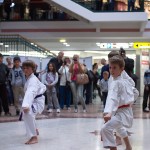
[118, 111]
[33, 102]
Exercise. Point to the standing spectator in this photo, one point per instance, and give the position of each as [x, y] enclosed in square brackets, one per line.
[4, 71]
[77, 89]
[17, 82]
[64, 89]
[8, 85]
[96, 77]
[9, 62]
[129, 65]
[104, 68]
[7, 8]
[51, 80]
[88, 87]
[104, 86]
[146, 107]
[57, 61]
[98, 4]
[131, 4]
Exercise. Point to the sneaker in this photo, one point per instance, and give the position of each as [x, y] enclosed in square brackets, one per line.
[68, 108]
[49, 110]
[84, 110]
[146, 109]
[58, 110]
[76, 110]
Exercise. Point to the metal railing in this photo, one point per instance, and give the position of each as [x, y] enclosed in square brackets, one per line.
[18, 45]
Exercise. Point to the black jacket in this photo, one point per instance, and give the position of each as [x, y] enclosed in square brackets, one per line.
[4, 71]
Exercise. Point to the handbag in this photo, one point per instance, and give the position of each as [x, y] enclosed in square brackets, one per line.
[82, 78]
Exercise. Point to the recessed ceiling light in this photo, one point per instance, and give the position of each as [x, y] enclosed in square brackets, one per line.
[32, 43]
[62, 40]
[6, 45]
[98, 43]
[65, 43]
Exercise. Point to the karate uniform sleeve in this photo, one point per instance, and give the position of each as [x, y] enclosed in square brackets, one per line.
[30, 94]
[127, 77]
[112, 102]
[136, 93]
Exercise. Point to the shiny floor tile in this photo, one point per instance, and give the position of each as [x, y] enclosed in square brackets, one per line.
[69, 134]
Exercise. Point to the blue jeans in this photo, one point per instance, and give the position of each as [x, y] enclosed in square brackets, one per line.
[65, 94]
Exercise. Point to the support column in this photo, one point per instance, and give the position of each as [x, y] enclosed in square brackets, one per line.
[138, 69]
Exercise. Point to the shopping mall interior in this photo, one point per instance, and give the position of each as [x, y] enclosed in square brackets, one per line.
[39, 29]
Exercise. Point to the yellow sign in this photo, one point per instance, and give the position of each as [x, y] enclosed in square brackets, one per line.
[141, 45]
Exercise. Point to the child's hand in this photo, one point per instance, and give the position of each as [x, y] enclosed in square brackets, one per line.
[107, 117]
[25, 109]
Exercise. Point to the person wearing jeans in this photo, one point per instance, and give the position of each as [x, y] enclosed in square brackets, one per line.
[77, 89]
[4, 71]
[64, 89]
[146, 107]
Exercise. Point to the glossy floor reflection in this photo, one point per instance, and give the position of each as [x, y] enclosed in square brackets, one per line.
[69, 134]
[72, 131]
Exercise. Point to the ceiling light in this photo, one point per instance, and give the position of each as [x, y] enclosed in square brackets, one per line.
[1, 44]
[62, 40]
[65, 43]
[98, 43]
[32, 43]
[12, 5]
[6, 45]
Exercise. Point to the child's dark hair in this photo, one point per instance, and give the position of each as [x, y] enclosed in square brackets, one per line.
[29, 63]
[94, 65]
[54, 68]
[117, 60]
[16, 58]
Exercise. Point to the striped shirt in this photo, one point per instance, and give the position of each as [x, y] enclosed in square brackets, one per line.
[147, 77]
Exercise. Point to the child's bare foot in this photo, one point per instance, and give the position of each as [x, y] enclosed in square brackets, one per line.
[33, 140]
[118, 140]
[37, 131]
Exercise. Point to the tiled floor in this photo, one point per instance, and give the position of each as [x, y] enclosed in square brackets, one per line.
[70, 131]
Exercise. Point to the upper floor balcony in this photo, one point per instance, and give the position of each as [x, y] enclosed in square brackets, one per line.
[32, 10]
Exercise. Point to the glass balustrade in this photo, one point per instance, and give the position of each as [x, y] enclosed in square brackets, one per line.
[18, 45]
[112, 5]
[39, 10]
[31, 10]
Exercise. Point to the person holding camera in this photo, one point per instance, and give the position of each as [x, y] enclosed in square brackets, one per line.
[77, 89]
[64, 88]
